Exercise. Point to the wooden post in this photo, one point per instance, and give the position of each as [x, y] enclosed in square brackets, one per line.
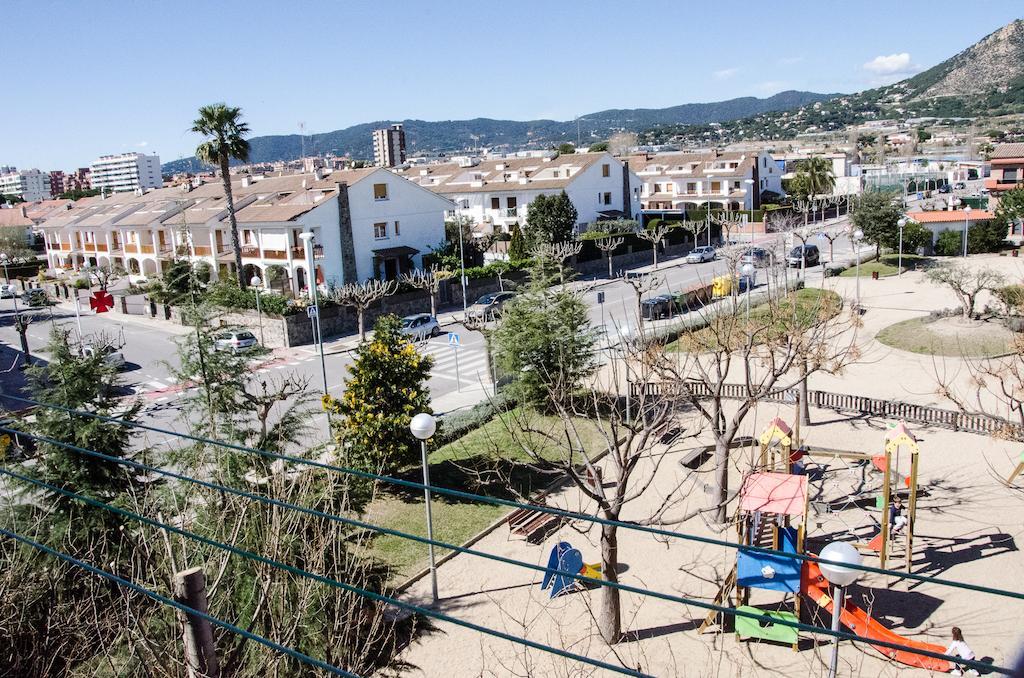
[200, 658]
[912, 508]
[886, 491]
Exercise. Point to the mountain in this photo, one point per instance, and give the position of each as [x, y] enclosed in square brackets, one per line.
[984, 80]
[452, 135]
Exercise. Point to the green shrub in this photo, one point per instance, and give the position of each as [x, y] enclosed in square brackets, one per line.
[453, 426]
[82, 284]
[949, 244]
[1012, 296]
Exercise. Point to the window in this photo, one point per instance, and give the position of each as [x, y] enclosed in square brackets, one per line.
[398, 229]
[607, 199]
[691, 187]
[510, 203]
[556, 174]
[495, 203]
[380, 191]
[380, 230]
[606, 170]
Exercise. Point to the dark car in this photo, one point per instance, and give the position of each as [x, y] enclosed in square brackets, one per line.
[806, 255]
[490, 305]
[758, 257]
[944, 188]
[655, 308]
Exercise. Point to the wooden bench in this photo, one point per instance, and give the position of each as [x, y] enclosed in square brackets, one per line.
[532, 525]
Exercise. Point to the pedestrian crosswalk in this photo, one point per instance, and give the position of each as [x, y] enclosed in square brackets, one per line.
[472, 364]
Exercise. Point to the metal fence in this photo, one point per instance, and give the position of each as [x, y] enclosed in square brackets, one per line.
[855, 404]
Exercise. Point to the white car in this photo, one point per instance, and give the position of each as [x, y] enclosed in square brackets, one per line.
[699, 255]
[234, 341]
[8, 291]
[111, 355]
[420, 326]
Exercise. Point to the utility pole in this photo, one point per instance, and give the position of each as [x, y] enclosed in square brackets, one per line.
[200, 657]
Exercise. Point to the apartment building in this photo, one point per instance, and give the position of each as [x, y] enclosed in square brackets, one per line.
[495, 193]
[366, 223]
[126, 172]
[1007, 162]
[28, 185]
[389, 146]
[675, 182]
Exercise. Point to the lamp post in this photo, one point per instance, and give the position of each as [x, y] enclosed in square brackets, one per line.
[625, 333]
[255, 283]
[901, 222]
[307, 245]
[967, 217]
[423, 426]
[747, 270]
[840, 576]
[857, 235]
[462, 263]
[750, 221]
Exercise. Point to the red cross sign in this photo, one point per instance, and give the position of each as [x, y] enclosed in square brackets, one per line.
[101, 302]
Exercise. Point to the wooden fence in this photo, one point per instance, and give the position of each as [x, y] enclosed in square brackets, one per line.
[855, 404]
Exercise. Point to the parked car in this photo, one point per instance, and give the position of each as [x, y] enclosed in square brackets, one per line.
[959, 185]
[758, 256]
[944, 188]
[490, 305]
[235, 341]
[8, 291]
[699, 255]
[111, 355]
[420, 326]
[806, 255]
[655, 308]
[35, 297]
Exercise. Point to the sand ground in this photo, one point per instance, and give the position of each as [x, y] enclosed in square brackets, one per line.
[967, 525]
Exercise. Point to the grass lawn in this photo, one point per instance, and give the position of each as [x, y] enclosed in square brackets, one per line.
[918, 335]
[479, 462]
[886, 266]
[812, 304]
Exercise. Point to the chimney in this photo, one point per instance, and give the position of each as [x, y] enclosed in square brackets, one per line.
[627, 201]
[318, 174]
[24, 211]
[348, 249]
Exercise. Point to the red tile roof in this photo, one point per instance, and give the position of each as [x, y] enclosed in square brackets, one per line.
[949, 216]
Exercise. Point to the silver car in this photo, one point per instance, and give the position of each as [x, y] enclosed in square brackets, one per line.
[111, 355]
[490, 305]
[699, 255]
[234, 341]
[420, 326]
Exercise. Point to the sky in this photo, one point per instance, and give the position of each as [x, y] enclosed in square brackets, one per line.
[92, 78]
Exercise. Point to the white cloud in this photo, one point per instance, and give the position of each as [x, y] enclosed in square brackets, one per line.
[890, 65]
[790, 61]
[142, 144]
[725, 73]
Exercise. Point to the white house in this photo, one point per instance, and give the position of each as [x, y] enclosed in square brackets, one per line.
[495, 193]
[366, 223]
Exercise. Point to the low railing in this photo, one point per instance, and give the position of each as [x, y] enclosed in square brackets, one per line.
[203, 251]
[275, 254]
[131, 249]
[146, 249]
[250, 251]
[845, 402]
[299, 252]
[90, 247]
[101, 247]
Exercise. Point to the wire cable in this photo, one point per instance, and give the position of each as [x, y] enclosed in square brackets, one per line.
[350, 588]
[179, 606]
[685, 601]
[495, 501]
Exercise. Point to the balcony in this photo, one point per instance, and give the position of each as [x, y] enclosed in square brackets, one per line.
[90, 247]
[250, 252]
[275, 254]
[146, 249]
[298, 252]
[131, 249]
[1003, 183]
[203, 251]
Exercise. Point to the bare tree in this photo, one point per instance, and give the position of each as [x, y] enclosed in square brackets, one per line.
[105, 275]
[694, 228]
[608, 245]
[621, 143]
[994, 386]
[360, 296]
[654, 234]
[746, 357]
[428, 280]
[642, 285]
[966, 283]
[557, 254]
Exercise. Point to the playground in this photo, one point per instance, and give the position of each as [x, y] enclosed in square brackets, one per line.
[839, 482]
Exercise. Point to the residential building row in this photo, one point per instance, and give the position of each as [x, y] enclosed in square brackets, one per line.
[126, 172]
[366, 224]
[29, 185]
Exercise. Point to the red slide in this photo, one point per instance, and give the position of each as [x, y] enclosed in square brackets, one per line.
[857, 621]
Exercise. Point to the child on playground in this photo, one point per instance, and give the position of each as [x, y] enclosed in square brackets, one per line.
[897, 516]
[958, 648]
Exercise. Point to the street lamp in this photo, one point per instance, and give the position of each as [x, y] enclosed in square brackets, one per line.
[840, 576]
[901, 222]
[857, 235]
[255, 283]
[967, 216]
[423, 426]
[5, 260]
[625, 333]
[747, 270]
[750, 221]
[307, 244]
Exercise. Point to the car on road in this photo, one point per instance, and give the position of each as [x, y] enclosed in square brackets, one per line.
[758, 256]
[420, 326]
[699, 255]
[490, 305]
[959, 186]
[235, 341]
[35, 297]
[8, 291]
[806, 255]
[111, 355]
[944, 188]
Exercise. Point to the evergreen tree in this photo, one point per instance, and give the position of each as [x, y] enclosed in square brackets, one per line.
[517, 245]
[876, 215]
[386, 388]
[551, 219]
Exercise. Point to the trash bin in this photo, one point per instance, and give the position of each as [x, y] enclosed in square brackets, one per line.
[721, 286]
[657, 307]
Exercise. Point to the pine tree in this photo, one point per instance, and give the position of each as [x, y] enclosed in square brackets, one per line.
[385, 389]
[551, 219]
[517, 245]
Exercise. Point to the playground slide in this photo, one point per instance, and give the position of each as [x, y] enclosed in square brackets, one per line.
[858, 621]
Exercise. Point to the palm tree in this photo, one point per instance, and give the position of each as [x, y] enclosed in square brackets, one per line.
[818, 176]
[225, 132]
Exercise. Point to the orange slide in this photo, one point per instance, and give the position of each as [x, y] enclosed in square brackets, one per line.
[857, 621]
